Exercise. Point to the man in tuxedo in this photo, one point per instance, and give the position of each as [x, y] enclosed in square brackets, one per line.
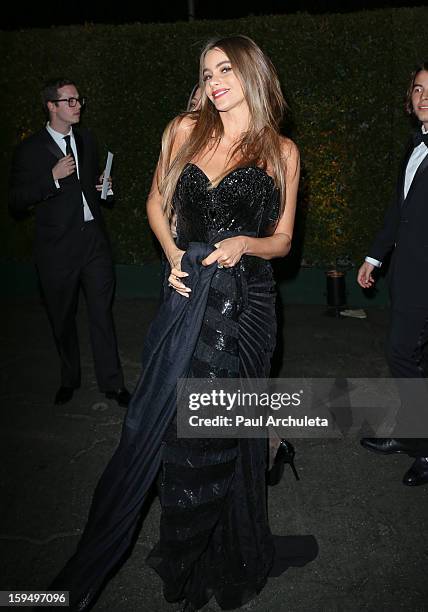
[56, 173]
[405, 233]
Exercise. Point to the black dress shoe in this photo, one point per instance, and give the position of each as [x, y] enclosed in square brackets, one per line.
[63, 395]
[386, 446]
[285, 454]
[122, 396]
[418, 473]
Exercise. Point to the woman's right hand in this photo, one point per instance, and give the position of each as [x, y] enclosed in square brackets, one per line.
[176, 274]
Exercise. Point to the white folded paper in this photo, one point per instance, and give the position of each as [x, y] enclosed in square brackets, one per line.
[107, 171]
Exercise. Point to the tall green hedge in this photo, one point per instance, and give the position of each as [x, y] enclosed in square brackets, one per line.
[344, 77]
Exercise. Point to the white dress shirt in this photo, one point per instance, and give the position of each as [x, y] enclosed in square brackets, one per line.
[59, 139]
[418, 155]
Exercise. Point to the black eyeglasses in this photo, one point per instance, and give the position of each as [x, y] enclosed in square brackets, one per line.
[72, 101]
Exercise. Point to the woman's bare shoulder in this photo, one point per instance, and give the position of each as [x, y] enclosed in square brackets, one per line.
[289, 149]
[183, 124]
[176, 133]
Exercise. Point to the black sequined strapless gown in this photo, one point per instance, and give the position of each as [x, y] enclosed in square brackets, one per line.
[214, 534]
[215, 538]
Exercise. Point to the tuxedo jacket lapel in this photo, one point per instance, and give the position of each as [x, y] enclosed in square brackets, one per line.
[55, 149]
[421, 169]
[51, 144]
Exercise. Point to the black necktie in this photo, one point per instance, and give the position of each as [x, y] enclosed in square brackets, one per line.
[69, 151]
[74, 177]
[418, 137]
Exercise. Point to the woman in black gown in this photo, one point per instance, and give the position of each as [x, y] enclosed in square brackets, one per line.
[231, 180]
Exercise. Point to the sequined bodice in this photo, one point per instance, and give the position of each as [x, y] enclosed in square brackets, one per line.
[246, 200]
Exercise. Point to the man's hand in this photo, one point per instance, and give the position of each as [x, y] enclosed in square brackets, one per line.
[64, 167]
[99, 186]
[365, 278]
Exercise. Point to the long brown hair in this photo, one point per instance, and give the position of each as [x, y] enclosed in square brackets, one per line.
[259, 146]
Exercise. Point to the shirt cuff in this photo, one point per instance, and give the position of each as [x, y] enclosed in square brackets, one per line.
[57, 185]
[374, 262]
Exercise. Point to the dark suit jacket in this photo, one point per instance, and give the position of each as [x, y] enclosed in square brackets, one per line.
[405, 233]
[58, 212]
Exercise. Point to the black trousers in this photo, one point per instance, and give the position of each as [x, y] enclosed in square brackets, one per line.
[91, 267]
[408, 336]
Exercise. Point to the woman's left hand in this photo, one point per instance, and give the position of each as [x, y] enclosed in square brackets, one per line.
[228, 252]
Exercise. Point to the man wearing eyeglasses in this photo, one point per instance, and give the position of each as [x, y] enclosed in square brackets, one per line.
[56, 172]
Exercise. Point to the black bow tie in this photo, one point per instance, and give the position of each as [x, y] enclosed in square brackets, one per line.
[418, 137]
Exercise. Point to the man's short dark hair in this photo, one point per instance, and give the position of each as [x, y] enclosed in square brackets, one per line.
[419, 68]
[50, 90]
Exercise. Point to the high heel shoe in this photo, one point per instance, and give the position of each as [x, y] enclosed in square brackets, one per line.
[285, 454]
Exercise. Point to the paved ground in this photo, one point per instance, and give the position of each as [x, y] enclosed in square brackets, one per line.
[372, 531]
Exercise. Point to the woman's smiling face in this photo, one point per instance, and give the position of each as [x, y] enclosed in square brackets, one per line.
[222, 85]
